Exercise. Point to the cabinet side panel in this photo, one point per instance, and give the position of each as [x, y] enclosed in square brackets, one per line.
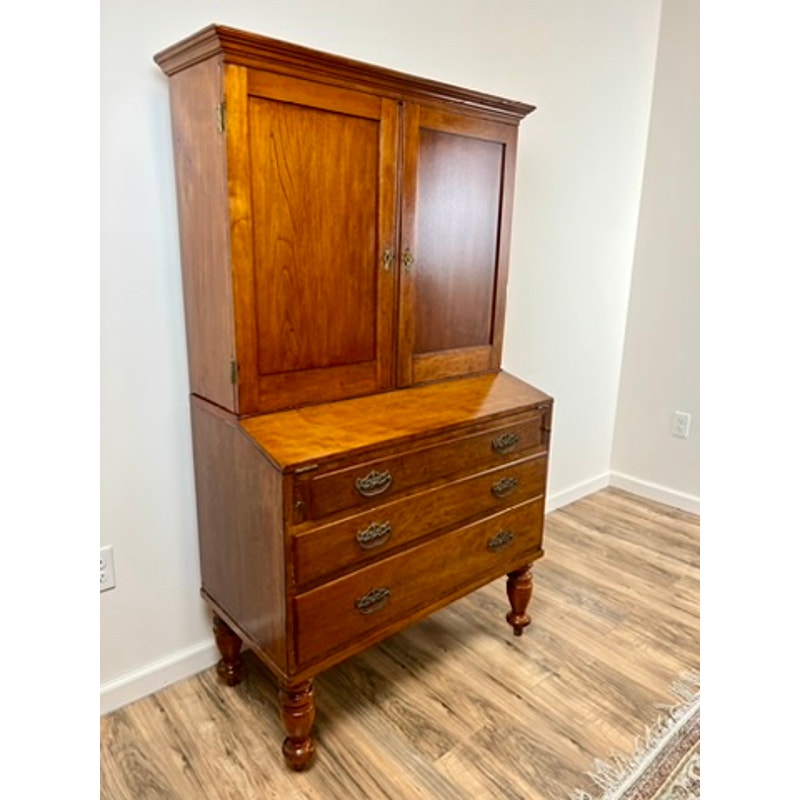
[240, 513]
[199, 153]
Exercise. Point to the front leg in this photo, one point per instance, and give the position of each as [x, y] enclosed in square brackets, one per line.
[519, 588]
[230, 667]
[297, 713]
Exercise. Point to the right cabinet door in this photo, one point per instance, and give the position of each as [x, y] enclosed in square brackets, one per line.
[457, 189]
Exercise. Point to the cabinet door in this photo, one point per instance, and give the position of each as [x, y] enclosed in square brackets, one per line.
[456, 213]
[312, 184]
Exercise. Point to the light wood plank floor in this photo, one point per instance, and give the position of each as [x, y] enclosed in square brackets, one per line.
[456, 706]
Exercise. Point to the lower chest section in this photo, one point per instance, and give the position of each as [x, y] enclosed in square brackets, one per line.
[312, 559]
[378, 540]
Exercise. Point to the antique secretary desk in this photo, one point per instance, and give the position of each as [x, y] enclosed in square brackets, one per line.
[361, 460]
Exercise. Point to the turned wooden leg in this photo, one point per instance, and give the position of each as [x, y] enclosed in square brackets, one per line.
[519, 588]
[230, 667]
[297, 713]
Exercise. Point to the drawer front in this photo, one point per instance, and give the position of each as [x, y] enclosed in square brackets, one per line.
[342, 612]
[343, 545]
[371, 482]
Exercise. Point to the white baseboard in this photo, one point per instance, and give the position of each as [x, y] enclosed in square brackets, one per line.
[654, 491]
[156, 675]
[576, 492]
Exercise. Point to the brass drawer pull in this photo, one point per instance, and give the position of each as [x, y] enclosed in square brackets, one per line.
[374, 535]
[504, 487]
[505, 443]
[374, 483]
[500, 540]
[374, 600]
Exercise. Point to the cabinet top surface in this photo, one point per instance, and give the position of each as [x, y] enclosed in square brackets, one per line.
[315, 433]
[235, 46]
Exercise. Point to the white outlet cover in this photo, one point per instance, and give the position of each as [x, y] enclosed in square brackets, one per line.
[681, 422]
[107, 576]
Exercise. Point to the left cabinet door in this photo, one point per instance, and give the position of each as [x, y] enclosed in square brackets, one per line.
[312, 172]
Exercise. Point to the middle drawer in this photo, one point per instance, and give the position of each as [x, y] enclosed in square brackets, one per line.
[334, 548]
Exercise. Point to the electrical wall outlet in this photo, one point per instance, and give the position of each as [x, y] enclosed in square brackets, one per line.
[107, 578]
[681, 421]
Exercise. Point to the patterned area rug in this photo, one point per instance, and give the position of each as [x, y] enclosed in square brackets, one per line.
[665, 764]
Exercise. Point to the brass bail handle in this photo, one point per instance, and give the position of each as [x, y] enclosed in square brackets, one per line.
[504, 487]
[374, 600]
[374, 483]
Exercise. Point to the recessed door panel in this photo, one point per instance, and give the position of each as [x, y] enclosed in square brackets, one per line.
[315, 196]
[458, 207]
[456, 198]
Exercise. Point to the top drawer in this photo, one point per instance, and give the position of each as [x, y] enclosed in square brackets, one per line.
[370, 482]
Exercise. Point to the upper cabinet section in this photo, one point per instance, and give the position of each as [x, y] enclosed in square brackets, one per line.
[344, 228]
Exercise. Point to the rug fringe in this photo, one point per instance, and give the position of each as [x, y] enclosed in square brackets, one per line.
[612, 775]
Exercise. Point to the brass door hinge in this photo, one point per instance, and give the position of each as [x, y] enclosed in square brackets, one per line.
[234, 372]
[221, 116]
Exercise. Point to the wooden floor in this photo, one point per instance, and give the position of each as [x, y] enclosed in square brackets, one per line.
[456, 706]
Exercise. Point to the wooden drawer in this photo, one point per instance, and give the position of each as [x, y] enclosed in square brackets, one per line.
[344, 611]
[343, 545]
[371, 482]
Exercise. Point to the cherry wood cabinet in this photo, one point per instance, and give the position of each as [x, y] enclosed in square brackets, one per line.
[336, 221]
[361, 459]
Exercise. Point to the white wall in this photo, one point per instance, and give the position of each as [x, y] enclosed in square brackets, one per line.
[661, 366]
[579, 181]
[587, 66]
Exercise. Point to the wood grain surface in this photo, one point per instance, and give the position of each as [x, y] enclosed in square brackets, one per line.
[455, 706]
[375, 533]
[316, 433]
[201, 186]
[352, 233]
[233, 46]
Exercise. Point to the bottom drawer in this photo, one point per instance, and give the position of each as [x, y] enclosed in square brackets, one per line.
[338, 614]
